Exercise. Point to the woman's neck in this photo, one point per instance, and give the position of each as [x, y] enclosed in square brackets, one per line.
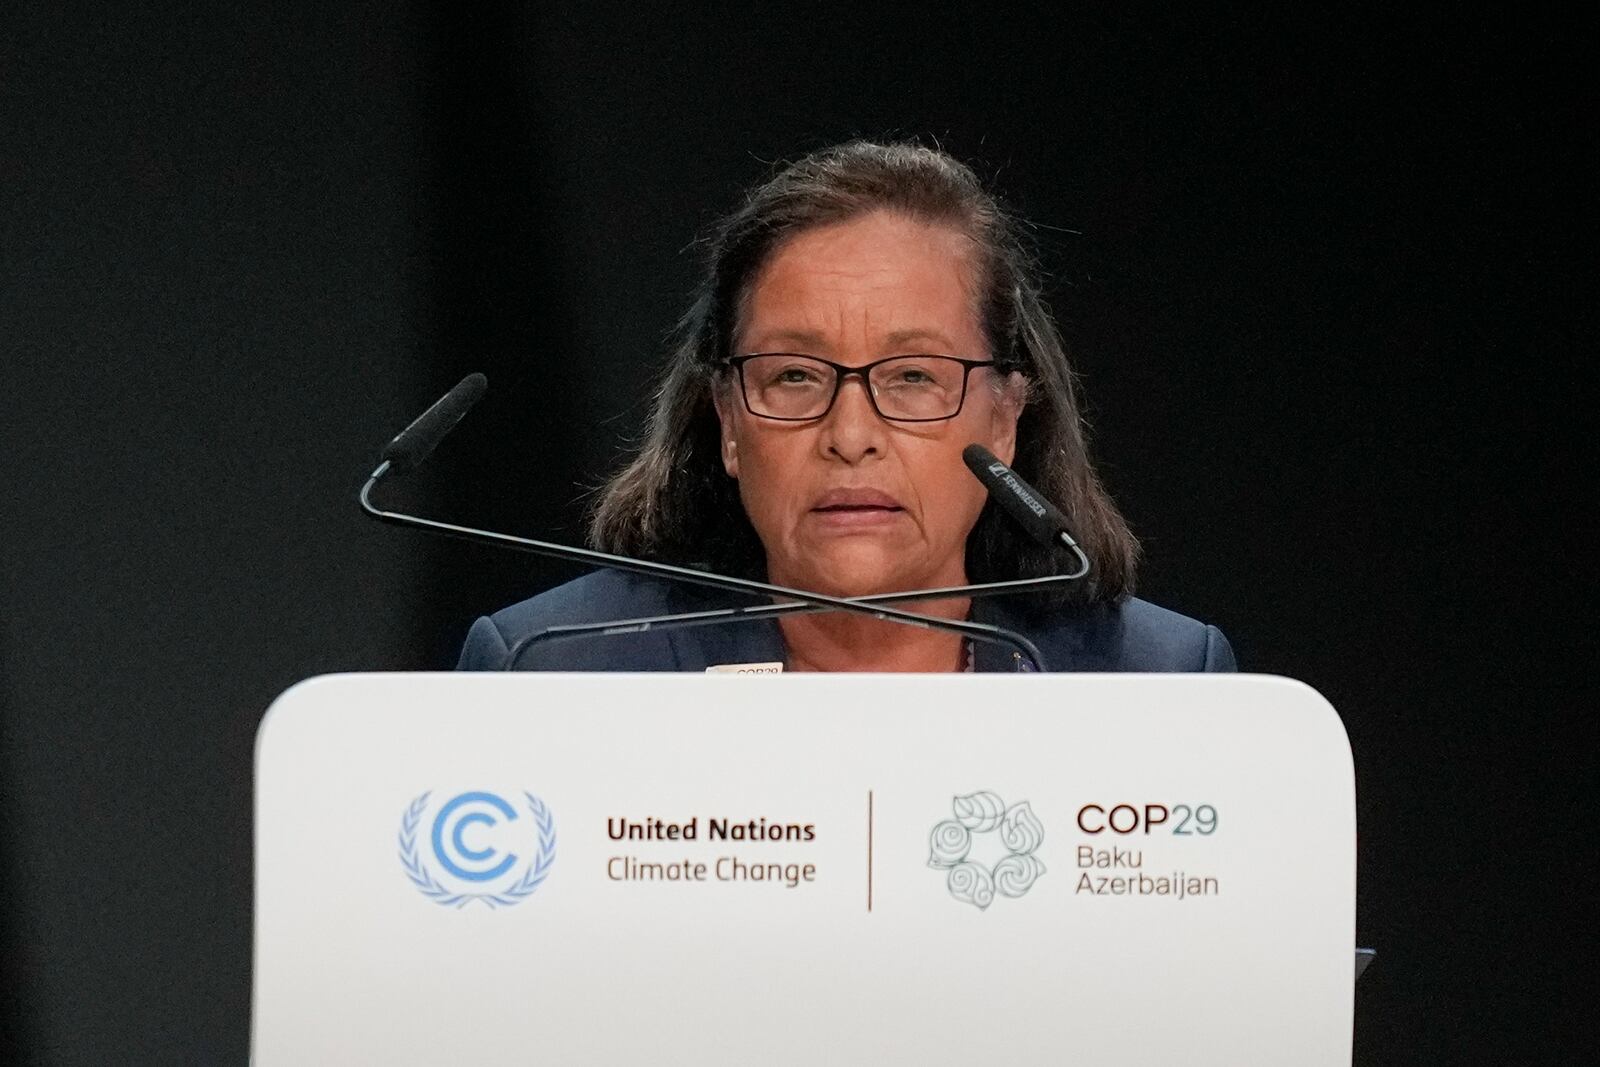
[836, 641]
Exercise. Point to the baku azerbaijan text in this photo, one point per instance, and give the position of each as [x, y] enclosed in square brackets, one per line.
[1178, 884]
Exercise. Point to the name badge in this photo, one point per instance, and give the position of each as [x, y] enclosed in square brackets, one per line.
[745, 668]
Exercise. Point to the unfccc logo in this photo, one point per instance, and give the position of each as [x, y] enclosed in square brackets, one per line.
[476, 847]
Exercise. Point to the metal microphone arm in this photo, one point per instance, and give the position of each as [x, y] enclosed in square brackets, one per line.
[754, 612]
[976, 631]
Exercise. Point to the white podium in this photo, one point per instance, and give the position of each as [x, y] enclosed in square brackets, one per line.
[803, 869]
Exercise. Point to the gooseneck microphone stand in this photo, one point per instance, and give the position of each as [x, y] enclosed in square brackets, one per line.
[756, 612]
[417, 441]
[1025, 505]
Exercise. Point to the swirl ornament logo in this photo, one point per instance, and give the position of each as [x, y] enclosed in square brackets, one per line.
[987, 848]
[482, 848]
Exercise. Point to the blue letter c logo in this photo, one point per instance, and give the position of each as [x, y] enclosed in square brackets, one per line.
[457, 837]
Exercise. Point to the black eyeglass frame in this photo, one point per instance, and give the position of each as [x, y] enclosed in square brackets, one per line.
[841, 372]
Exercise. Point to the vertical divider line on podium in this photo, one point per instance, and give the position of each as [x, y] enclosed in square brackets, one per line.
[869, 850]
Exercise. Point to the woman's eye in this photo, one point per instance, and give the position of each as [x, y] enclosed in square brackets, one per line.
[795, 376]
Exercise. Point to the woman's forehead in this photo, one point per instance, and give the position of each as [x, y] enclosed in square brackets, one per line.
[882, 279]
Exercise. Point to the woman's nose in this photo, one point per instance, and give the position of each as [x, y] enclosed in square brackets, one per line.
[852, 430]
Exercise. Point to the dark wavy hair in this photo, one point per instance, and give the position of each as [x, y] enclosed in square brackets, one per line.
[675, 502]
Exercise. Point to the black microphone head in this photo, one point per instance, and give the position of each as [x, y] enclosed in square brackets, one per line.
[416, 442]
[1020, 500]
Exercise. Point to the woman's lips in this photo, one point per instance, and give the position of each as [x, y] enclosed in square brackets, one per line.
[856, 508]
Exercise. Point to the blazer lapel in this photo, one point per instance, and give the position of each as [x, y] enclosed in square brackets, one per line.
[1060, 638]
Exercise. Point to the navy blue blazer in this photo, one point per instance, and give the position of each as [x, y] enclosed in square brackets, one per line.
[1129, 636]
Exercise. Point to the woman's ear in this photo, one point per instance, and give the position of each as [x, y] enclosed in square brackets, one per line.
[730, 447]
[1013, 398]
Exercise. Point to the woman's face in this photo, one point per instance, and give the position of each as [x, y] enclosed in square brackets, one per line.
[849, 503]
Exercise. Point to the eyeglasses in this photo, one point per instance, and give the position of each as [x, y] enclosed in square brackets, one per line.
[795, 388]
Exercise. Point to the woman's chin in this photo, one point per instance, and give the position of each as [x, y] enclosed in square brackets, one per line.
[851, 570]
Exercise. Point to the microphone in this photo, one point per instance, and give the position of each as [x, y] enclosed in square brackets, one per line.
[1020, 500]
[417, 441]
[1009, 491]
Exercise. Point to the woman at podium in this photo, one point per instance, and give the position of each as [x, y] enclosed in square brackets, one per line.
[866, 314]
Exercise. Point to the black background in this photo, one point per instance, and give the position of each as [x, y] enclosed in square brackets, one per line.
[1321, 276]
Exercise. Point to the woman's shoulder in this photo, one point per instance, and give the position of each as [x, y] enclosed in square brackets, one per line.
[1124, 635]
[595, 597]
[1136, 635]
[602, 596]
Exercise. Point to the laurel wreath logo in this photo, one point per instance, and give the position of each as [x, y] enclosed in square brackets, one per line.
[419, 875]
[984, 812]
